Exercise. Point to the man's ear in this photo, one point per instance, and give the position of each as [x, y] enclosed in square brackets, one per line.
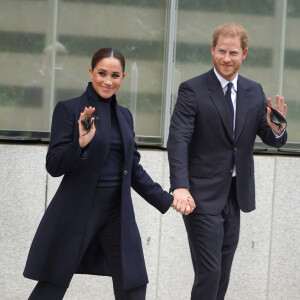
[245, 53]
[212, 50]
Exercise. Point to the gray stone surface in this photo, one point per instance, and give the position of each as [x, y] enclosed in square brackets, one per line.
[175, 268]
[266, 265]
[249, 279]
[284, 282]
[22, 186]
[86, 287]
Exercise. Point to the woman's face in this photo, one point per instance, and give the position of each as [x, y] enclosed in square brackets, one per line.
[107, 76]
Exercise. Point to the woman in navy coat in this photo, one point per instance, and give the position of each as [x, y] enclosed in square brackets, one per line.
[89, 226]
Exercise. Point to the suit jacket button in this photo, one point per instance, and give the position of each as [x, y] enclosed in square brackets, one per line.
[231, 170]
[235, 149]
[125, 172]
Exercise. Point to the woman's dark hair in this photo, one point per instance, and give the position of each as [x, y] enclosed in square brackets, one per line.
[107, 52]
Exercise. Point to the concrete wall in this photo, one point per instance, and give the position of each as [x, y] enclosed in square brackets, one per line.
[266, 265]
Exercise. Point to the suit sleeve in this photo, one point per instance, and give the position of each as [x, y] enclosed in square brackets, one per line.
[264, 130]
[180, 134]
[143, 184]
[64, 152]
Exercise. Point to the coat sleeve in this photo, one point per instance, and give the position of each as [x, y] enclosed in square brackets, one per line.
[143, 184]
[264, 130]
[64, 152]
[180, 134]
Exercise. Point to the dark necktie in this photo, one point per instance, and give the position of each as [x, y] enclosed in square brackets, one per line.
[229, 101]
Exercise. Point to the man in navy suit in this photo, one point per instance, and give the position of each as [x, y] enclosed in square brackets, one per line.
[210, 147]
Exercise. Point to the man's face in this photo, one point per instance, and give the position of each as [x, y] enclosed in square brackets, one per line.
[228, 56]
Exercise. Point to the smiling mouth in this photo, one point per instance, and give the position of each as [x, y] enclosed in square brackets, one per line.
[107, 89]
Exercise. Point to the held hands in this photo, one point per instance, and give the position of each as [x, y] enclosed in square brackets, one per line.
[183, 201]
[86, 136]
[281, 107]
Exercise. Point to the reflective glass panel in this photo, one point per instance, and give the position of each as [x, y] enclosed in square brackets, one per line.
[25, 29]
[269, 61]
[291, 74]
[40, 70]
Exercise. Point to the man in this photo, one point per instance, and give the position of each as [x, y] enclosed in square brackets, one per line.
[210, 149]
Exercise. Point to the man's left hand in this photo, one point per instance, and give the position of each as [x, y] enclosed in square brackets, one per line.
[281, 107]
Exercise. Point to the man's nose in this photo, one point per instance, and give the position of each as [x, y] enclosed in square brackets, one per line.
[227, 57]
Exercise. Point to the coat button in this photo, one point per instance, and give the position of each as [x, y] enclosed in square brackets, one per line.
[231, 170]
[125, 172]
[235, 149]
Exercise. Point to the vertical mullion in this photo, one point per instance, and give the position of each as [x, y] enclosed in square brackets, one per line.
[282, 45]
[53, 57]
[170, 59]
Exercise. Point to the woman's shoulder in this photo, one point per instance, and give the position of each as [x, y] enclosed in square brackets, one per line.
[73, 103]
[126, 113]
[123, 109]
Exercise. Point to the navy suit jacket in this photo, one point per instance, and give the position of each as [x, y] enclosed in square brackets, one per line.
[53, 255]
[201, 147]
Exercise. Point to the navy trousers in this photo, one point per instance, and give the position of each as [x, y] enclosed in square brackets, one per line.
[213, 240]
[105, 223]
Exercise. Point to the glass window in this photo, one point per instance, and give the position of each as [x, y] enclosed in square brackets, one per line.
[265, 23]
[46, 47]
[36, 77]
[291, 72]
[25, 29]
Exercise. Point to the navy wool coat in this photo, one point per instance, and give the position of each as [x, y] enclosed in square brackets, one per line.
[53, 255]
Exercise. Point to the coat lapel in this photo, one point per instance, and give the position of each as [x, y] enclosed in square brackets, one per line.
[242, 102]
[218, 99]
[123, 123]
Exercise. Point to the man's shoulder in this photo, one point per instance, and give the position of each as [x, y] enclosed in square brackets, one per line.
[247, 82]
[198, 80]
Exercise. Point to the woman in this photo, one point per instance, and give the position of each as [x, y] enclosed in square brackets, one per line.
[89, 226]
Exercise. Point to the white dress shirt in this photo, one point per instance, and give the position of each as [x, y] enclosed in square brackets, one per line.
[224, 83]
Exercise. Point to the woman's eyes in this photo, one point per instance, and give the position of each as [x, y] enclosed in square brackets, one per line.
[113, 75]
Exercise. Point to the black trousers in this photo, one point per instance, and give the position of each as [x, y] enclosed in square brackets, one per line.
[105, 224]
[213, 240]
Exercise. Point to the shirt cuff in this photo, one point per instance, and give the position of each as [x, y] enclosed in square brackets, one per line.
[279, 136]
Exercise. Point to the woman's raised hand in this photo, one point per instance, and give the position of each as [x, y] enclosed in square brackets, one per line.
[85, 136]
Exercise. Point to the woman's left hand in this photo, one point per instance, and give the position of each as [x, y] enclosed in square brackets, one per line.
[86, 136]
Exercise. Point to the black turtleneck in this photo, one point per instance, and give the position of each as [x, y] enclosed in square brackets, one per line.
[110, 173]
